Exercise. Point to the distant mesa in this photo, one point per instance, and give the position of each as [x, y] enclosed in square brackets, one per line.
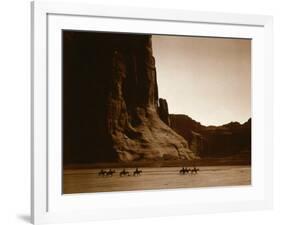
[214, 141]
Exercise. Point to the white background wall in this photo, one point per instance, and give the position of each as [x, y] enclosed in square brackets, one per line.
[15, 110]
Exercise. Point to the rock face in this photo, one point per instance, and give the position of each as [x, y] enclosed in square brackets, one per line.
[197, 143]
[163, 111]
[214, 141]
[229, 139]
[110, 101]
[191, 130]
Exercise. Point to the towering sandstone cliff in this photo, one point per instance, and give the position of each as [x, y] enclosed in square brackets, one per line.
[111, 107]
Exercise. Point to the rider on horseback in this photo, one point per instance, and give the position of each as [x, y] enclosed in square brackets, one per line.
[124, 172]
[137, 172]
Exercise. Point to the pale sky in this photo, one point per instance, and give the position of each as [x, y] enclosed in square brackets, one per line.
[208, 79]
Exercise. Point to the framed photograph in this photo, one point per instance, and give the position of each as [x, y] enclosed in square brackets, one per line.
[141, 112]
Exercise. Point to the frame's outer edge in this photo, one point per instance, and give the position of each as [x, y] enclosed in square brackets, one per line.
[129, 12]
[32, 207]
[269, 103]
[39, 13]
[39, 114]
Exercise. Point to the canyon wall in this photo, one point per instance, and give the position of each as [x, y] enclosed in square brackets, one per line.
[214, 141]
[111, 108]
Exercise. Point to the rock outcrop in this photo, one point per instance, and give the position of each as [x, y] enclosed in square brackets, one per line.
[214, 141]
[163, 111]
[110, 101]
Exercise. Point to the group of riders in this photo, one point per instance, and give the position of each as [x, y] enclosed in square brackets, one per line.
[137, 172]
[186, 170]
[124, 172]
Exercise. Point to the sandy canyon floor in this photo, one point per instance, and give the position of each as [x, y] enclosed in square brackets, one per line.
[88, 180]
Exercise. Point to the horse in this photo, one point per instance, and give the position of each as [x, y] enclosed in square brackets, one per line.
[137, 172]
[102, 173]
[184, 170]
[194, 170]
[124, 173]
[110, 172]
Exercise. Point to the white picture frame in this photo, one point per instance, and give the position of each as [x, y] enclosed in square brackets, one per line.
[49, 205]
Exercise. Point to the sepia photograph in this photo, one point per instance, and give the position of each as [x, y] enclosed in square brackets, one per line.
[150, 111]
